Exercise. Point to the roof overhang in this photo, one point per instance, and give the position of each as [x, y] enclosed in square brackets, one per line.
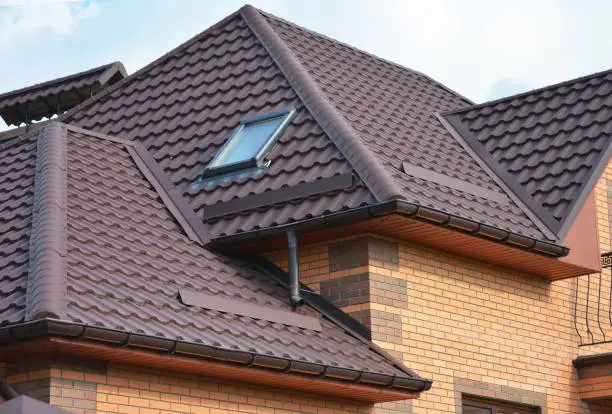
[46, 99]
[46, 337]
[409, 222]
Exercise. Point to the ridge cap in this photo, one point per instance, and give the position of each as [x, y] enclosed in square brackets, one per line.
[377, 179]
[47, 273]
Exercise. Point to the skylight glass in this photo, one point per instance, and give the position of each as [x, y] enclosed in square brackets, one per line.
[251, 141]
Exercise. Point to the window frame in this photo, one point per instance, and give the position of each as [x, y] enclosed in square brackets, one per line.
[258, 160]
[495, 406]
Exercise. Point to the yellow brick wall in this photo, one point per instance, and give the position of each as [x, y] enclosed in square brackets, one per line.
[121, 389]
[469, 321]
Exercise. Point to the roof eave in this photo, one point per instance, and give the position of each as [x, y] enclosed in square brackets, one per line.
[111, 343]
[407, 209]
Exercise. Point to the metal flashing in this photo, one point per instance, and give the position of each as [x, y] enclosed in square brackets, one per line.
[445, 180]
[170, 194]
[190, 297]
[281, 195]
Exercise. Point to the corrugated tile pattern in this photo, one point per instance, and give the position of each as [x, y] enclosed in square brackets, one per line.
[392, 109]
[548, 140]
[127, 259]
[53, 87]
[187, 105]
[17, 171]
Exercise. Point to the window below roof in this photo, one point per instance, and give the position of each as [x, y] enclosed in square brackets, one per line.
[482, 406]
[250, 142]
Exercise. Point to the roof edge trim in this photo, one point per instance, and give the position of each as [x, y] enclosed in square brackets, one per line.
[543, 219]
[47, 272]
[405, 208]
[170, 194]
[51, 327]
[595, 175]
[378, 181]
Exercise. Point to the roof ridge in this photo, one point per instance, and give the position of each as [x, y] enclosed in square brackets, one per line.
[47, 273]
[104, 68]
[530, 92]
[371, 55]
[363, 161]
[146, 68]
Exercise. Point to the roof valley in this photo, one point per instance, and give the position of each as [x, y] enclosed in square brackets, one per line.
[46, 284]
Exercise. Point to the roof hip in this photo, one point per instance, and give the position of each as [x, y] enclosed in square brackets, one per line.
[373, 174]
[46, 285]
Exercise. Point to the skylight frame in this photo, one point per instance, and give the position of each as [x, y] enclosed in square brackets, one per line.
[258, 160]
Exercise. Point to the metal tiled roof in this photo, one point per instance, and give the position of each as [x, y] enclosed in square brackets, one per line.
[106, 252]
[184, 107]
[550, 144]
[392, 110]
[17, 169]
[42, 100]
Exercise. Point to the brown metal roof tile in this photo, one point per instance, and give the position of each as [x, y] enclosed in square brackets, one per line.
[42, 98]
[184, 107]
[392, 109]
[17, 168]
[127, 259]
[549, 145]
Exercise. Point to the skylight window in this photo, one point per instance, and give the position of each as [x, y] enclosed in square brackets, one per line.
[250, 142]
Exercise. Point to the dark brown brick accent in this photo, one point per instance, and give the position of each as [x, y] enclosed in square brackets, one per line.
[39, 388]
[496, 392]
[383, 253]
[349, 254]
[347, 290]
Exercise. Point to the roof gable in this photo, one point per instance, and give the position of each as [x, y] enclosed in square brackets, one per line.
[549, 145]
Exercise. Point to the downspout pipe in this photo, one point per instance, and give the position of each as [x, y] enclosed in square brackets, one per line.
[294, 269]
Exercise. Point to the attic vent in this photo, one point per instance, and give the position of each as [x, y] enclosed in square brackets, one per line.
[250, 142]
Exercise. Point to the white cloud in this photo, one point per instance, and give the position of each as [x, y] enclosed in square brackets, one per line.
[33, 18]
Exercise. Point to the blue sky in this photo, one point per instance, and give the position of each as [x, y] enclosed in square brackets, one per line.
[483, 49]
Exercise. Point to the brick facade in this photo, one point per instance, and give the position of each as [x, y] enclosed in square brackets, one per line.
[87, 388]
